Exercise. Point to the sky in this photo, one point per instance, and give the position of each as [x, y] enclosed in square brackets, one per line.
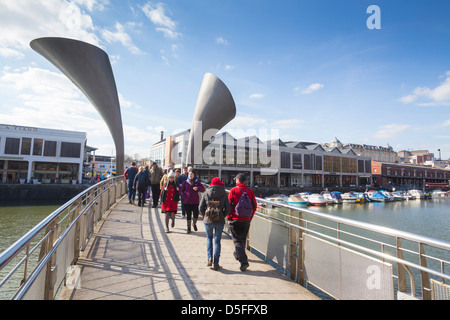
[304, 70]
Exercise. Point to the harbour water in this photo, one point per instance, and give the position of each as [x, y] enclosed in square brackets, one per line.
[430, 218]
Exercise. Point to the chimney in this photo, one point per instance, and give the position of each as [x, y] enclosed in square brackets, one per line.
[162, 135]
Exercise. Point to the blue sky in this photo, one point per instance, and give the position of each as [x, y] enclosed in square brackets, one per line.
[310, 70]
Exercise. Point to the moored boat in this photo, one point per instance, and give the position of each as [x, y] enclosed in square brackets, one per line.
[316, 199]
[418, 194]
[387, 194]
[376, 196]
[348, 198]
[399, 195]
[297, 200]
[280, 198]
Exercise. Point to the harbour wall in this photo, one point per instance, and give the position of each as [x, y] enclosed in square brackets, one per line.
[40, 191]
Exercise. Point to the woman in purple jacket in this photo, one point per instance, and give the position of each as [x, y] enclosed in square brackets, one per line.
[189, 192]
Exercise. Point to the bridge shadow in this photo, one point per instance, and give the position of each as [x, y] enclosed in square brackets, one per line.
[195, 295]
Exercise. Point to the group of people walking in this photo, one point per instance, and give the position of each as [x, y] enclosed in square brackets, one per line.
[215, 205]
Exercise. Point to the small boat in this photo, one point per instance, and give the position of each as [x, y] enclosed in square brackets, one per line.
[280, 198]
[438, 194]
[399, 195]
[305, 195]
[327, 196]
[376, 196]
[348, 198]
[361, 197]
[316, 199]
[336, 195]
[418, 194]
[297, 200]
[388, 195]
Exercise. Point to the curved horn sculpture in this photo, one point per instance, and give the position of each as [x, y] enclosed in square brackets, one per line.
[89, 68]
[214, 109]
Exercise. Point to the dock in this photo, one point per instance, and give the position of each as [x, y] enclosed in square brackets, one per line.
[131, 257]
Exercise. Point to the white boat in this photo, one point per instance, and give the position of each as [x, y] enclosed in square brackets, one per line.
[327, 197]
[305, 195]
[417, 193]
[297, 200]
[280, 198]
[316, 199]
[399, 195]
[438, 194]
[348, 198]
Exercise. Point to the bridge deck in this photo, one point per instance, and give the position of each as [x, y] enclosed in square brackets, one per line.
[131, 257]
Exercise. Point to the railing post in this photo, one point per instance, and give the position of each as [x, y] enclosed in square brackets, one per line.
[424, 276]
[402, 286]
[296, 247]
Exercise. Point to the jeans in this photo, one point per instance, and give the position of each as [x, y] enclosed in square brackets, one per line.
[131, 191]
[239, 230]
[217, 235]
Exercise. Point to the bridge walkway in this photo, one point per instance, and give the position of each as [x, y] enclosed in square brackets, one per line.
[131, 257]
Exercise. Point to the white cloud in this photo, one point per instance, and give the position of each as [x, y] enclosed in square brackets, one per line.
[437, 96]
[391, 130]
[221, 40]
[120, 35]
[22, 21]
[310, 89]
[257, 96]
[157, 14]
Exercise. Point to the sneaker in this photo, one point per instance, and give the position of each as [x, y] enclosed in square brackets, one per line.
[216, 267]
[209, 263]
[244, 266]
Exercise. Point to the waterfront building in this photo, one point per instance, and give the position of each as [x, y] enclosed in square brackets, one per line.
[416, 156]
[377, 153]
[40, 155]
[268, 163]
[407, 176]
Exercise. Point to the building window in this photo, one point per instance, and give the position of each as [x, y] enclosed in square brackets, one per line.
[12, 145]
[50, 148]
[285, 160]
[26, 146]
[296, 161]
[70, 150]
[37, 147]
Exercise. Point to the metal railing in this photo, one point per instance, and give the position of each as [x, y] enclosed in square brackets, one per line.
[35, 266]
[348, 259]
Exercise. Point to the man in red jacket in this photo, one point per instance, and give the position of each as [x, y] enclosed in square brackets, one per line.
[239, 226]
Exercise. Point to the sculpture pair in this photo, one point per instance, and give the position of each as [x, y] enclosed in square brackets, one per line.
[89, 68]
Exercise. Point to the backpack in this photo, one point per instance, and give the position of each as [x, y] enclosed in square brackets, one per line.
[244, 207]
[213, 211]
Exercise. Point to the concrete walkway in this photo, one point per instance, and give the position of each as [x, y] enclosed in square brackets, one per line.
[131, 257]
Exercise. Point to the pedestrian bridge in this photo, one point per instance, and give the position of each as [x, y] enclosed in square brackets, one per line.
[99, 247]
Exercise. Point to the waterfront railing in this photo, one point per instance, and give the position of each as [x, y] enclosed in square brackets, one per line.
[330, 255]
[36, 265]
[342, 258]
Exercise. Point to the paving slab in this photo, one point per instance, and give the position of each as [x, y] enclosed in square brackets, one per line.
[131, 257]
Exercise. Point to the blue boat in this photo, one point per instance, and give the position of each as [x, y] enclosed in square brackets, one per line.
[377, 196]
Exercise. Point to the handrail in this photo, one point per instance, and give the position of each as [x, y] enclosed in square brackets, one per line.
[26, 239]
[90, 204]
[364, 225]
[288, 221]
